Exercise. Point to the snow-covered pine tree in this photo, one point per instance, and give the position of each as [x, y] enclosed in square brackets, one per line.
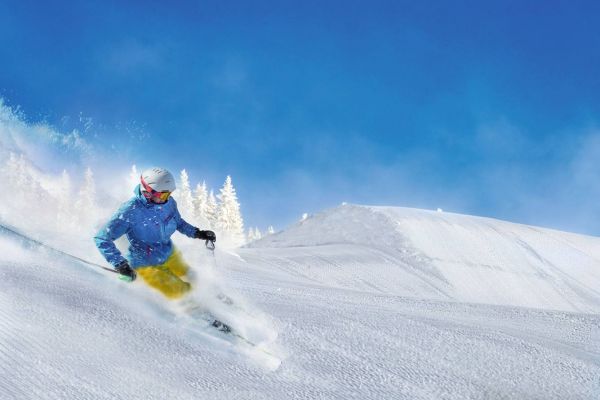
[64, 216]
[250, 236]
[33, 196]
[270, 230]
[229, 217]
[87, 194]
[185, 201]
[201, 206]
[253, 234]
[26, 188]
[85, 205]
[211, 210]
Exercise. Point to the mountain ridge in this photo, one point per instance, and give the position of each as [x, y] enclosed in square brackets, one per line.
[466, 258]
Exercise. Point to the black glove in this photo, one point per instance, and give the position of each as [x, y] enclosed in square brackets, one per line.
[205, 235]
[123, 268]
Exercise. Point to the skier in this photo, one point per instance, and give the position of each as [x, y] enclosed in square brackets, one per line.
[149, 219]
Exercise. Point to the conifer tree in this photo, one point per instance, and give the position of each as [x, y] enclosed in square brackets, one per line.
[29, 201]
[211, 210]
[184, 197]
[250, 237]
[25, 186]
[64, 216]
[229, 218]
[201, 205]
[87, 194]
[85, 205]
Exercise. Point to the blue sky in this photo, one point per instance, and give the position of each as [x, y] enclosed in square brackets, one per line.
[487, 108]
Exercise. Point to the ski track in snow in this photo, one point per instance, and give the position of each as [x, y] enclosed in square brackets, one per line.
[379, 320]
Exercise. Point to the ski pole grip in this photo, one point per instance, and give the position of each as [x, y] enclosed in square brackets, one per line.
[210, 244]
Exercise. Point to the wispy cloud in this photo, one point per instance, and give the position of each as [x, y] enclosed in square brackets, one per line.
[552, 181]
[569, 197]
[131, 56]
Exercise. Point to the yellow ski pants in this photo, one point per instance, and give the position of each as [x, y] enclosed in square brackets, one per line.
[167, 277]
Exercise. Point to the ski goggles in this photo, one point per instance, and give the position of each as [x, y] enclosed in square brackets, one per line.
[151, 193]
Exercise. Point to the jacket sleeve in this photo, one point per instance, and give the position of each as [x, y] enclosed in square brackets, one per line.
[183, 226]
[115, 228]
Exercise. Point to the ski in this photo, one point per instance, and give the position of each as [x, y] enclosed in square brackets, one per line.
[198, 313]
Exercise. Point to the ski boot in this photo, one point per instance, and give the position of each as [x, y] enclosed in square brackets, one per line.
[221, 326]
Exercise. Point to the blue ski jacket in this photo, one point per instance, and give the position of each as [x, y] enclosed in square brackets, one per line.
[148, 227]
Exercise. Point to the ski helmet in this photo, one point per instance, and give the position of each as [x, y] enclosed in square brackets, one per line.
[158, 179]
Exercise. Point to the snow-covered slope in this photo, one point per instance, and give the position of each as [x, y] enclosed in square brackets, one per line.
[366, 302]
[439, 255]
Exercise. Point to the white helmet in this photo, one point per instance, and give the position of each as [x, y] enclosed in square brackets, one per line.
[158, 179]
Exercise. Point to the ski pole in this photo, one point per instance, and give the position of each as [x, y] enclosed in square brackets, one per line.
[210, 244]
[121, 277]
[26, 240]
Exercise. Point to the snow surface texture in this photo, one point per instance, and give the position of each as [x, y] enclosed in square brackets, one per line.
[364, 302]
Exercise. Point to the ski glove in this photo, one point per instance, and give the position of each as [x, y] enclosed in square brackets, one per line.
[205, 235]
[123, 268]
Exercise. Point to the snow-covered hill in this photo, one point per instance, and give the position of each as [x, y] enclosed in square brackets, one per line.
[442, 256]
[368, 303]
